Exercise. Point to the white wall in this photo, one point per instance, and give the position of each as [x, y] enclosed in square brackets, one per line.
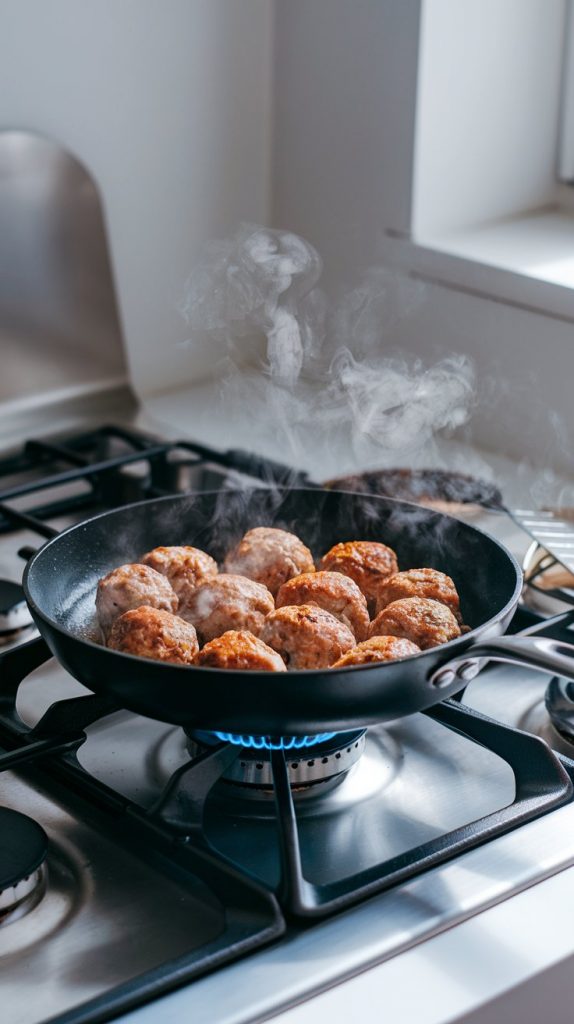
[345, 90]
[343, 147]
[167, 102]
[487, 110]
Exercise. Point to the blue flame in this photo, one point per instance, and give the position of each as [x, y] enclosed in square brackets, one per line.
[274, 743]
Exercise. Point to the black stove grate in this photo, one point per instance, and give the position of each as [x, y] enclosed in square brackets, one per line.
[115, 466]
[250, 915]
[543, 779]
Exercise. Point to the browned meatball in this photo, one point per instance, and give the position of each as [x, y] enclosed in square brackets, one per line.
[151, 633]
[270, 556]
[130, 586]
[240, 649]
[306, 636]
[185, 568]
[332, 591]
[365, 561]
[425, 622]
[378, 648]
[227, 602]
[419, 583]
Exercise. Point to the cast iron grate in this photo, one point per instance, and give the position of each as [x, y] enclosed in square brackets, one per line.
[112, 466]
[251, 917]
[115, 466]
[543, 781]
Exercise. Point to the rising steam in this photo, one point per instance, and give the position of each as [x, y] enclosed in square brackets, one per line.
[323, 367]
[265, 281]
[398, 406]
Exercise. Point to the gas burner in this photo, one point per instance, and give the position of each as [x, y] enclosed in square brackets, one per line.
[270, 742]
[23, 850]
[307, 765]
[16, 623]
[559, 701]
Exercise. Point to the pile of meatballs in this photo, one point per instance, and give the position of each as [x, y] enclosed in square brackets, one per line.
[270, 608]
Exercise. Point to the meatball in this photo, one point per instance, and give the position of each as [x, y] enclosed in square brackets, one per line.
[378, 648]
[419, 583]
[365, 561]
[425, 622]
[332, 591]
[240, 649]
[130, 586]
[270, 556]
[228, 602]
[185, 568]
[152, 633]
[306, 636]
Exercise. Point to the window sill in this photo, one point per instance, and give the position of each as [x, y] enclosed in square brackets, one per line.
[526, 261]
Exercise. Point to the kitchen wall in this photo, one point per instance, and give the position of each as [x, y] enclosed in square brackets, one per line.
[344, 103]
[487, 111]
[194, 115]
[168, 106]
[345, 89]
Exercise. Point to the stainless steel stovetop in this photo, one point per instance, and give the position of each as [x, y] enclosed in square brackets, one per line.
[120, 904]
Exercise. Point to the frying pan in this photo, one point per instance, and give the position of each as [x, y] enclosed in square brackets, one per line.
[60, 584]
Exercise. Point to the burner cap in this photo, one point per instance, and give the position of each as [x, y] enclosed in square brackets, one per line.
[14, 612]
[559, 700]
[23, 848]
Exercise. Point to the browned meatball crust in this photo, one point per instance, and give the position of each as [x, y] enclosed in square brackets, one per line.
[130, 586]
[227, 602]
[420, 583]
[241, 650]
[152, 633]
[425, 622]
[366, 562]
[185, 567]
[306, 636]
[332, 591]
[378, 648]
[270, 557]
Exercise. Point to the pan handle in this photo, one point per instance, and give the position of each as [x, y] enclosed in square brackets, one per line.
[529, 651]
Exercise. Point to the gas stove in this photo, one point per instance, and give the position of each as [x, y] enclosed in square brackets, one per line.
[240, 878]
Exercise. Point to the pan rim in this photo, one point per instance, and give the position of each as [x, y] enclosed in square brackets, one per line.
[461, 642]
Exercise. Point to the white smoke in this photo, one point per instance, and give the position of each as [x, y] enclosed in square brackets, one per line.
[260, 280]
[398, 406]
[325, 370]
[365, 316]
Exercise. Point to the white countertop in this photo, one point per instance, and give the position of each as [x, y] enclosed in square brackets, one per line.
[454, 976]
